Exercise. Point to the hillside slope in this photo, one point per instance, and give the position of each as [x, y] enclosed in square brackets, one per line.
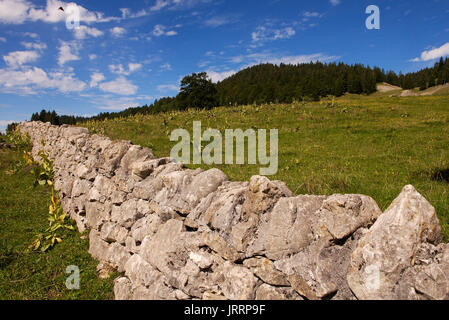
[359, 144]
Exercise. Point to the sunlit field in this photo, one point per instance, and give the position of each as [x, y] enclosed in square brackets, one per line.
[373, 145]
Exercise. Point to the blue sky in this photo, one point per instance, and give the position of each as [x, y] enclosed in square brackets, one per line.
[128, 53]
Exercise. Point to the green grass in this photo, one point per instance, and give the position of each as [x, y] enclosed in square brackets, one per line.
[371, 145]
[23, 213]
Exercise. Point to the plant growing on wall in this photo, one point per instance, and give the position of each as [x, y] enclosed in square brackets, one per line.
[44, 174]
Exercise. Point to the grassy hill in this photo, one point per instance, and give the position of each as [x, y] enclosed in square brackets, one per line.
[372, 145]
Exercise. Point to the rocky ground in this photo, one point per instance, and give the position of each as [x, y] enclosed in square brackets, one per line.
[177, 233]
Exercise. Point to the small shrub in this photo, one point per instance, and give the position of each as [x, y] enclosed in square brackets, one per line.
[58, 221]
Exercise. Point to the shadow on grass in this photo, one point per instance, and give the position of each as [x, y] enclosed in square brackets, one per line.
[441, 175]
[7, 254]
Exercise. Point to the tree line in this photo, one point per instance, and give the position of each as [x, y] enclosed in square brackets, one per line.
[266, 83]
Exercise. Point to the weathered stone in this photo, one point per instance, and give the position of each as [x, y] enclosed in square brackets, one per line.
[168, 251]
[267, 292]
[427, 279]
[390, 245]
[118, 197]
[104, 270]
[238, 282]
[202, 185]
[221, 209]
[432, 282]
[123, 289]
[143, 207]
[265, 270]
[141, 273]
[143, 169]
[117, 256]
[174, 184]
[98, 248]
[146, 226]
[342, 215]
[126, 214]
[202, 259]
[148, 188]
[82, 171]
[302, 287]
[111, 232]
[80, 187]
[322, 267]
[262, 194]
[97, 213]
[133, 155]
[214, 241]
[113, 154]
[213, 296]
[287, 228]
[143, 293]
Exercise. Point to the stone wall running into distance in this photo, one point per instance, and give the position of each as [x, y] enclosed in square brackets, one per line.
[176, 233]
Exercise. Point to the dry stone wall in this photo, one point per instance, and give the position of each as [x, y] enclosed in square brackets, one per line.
[176, 233]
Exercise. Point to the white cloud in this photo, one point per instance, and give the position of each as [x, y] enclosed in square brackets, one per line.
[309, 14]
[167, 88]
[171, 33]
[134, 67]
[66, 82]
[2, 39]
[175, 4]
[110, 102]
[433, 53]
[119, 69]
[14, 11]
[31, 35]
[265, 34]
[220, 76]
[126, 13]
[165, 67]
[19, 11]
[18, 58]
[237, 59]
[335, 2]
[83, 31]
[118, 31]
[51, 14]
[93, 56]
[120, 86]
[34, 45]
[26, 81]
[66, 54]
[95, 79]
[160, 4]
[160, 30]
[217, 21]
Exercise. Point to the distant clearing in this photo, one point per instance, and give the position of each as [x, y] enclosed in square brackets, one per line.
[386, 87]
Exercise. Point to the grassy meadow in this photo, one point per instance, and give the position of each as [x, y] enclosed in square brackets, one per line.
[373, 145]
[35, 275]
